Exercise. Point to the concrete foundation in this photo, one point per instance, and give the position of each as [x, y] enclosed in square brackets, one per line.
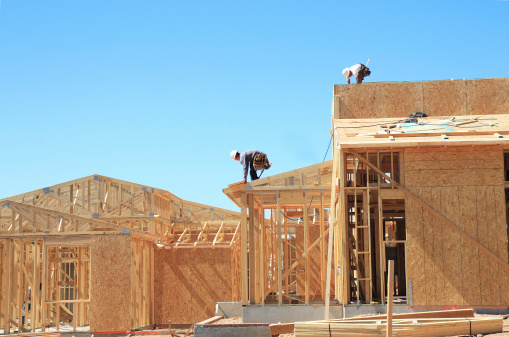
[229, 309]
[287, 314]
[227, 330]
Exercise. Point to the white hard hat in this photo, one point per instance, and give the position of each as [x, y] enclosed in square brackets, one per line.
[233, 154]
[346, 72]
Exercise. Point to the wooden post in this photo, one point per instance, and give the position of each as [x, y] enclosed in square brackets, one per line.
[20, 285]
[261, 226]
[390, 292]
[243, 253]
[306, 246]
[7, 298]
[331, 236]
[278, 252]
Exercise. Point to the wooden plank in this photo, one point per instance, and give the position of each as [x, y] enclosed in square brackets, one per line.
[390, 293]
[281, 328]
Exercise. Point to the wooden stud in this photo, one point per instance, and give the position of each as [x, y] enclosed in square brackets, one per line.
[243, 239]
[390, 292]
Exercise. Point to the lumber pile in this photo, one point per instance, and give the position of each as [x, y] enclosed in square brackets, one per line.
[421, 327]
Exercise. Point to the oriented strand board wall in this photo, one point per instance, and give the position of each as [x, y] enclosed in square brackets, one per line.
[466, 185]
[110, 257]
[435, 98]
[189, 281]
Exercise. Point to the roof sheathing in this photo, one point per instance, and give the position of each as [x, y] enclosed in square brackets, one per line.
[436, 131]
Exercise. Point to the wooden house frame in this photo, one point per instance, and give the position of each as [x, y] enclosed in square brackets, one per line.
[437, 191]
[87, 248]
[284, 227]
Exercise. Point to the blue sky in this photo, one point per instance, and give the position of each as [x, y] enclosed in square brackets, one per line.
[160, 92]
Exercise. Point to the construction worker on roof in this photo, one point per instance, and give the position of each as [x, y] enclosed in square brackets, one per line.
[251, 160]
[359, 71]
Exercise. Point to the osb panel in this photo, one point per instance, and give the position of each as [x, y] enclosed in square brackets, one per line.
[415, 249]
[435, 98]
[453, 275]
[438, 260]
[212, 275]
[110, 257]
[500, 220]
[173, 286]
[453, 153]
[485, 215]
[314, 262]
[358, 101]
[484, 95]
[454, 177]
[470, 263]
[188, 283]
[429, 263]
[400, 99]
[445, 98]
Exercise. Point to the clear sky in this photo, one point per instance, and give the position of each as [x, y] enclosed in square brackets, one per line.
[160, 92]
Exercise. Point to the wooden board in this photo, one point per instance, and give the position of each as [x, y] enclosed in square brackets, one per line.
[188, 283]
[110, 257]
[459, 184]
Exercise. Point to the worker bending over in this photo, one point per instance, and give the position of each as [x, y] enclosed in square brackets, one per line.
[359, 71]
[251, 160]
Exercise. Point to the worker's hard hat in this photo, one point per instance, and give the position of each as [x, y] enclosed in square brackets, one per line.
[346, 72]
[233, 154]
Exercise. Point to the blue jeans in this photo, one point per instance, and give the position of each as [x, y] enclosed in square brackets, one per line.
[252, 172]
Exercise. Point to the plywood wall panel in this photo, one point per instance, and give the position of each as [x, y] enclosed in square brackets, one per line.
[361, 100]
[110, 257]
[415, 249]
[470, 183]
[189, 281]
[484, 95]
[172, 288]
[429, 263]
[461, 177]
[445, 98]
[502, 242]
[435, 98]
[438, 253]
[211, 272]
[470, 265]
[399, 99]
[453, 275]
[484, 216]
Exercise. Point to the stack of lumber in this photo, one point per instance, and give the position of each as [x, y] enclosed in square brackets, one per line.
[403, 326]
